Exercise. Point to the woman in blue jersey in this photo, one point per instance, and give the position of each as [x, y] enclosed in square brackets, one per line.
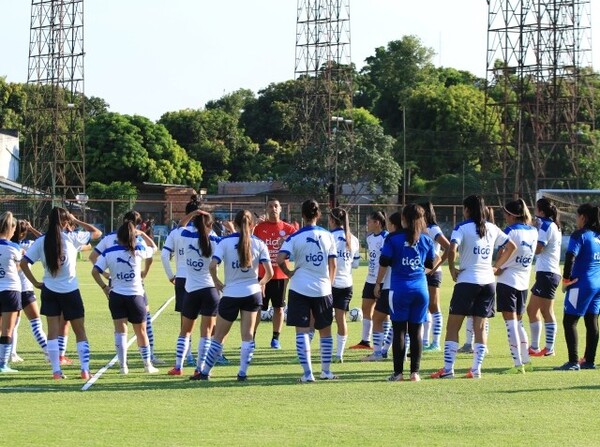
[474, 293]
[376, 229]
[198, 243]
[348, 258]
[408, 252]
[547, 278]
[581, 282]
[240, 253]
[513, 282]
[57, 250]
[10, 288]
[125, 293]
[314, 253]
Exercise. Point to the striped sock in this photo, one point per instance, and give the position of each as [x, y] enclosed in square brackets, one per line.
[514, 341]
[83, 351]
[387, 327]
[39, 334]
[450, 349]
[62, 344]
[54, 355]
[5, 350]
[311, 335]
[524, 343]
[426, 329]
[183, 343]
[341, 345]
[303, 351]
[377, 342]
[145, 354]
[246, 355]
[478, 356]
[214, 353]
[150, 332]
[121, 347]
[387, 343]
[551, 329]
[15, 337]
[326, 344]
[536, 328]
[203, 347]
[189, 354]
[438, 322]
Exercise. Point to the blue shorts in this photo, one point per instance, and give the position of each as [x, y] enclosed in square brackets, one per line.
[434, 279]
[383, 302]
[200, 302]
[300, 308]
[510, 299]
[409, 304]
[10, 301]
[179, 293]
[27, 298]
[69, 304]
[229, 307]
[545, 284]
[473, 300]
[131, 307]
[581, 300]
[341, 298]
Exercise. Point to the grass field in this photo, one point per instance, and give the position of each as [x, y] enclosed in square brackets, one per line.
[543, 407]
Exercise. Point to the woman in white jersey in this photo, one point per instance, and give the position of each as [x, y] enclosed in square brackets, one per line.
[513, 282]
[348, 258]
[240, 253]
[376, 229]
[10, 288]
[474, 294]
[28, 301]
[125, 293]
[57, 250]
[314, 253]
[198, 243]
[547, 278]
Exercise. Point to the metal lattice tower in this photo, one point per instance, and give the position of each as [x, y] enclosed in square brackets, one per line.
[538, 62]
[54, 159]
[323, 63]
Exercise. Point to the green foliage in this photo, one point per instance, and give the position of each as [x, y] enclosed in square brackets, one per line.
[121, 195]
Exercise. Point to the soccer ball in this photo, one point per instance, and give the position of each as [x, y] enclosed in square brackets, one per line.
[270, 311]
[356, 314]
[264, 316]
[285, 313]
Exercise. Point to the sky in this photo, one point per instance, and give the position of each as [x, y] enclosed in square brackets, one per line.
[148, 57]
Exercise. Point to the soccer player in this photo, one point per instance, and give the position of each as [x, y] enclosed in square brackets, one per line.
[434, 279]
[10, 288]
[376, 228]
[125, 293]
[408, 252]
[314, 253]
[273, 231]
[348, 258]
[547, 278]
[57, 250]
[581, 282]
[513, 282]
[240, 254]
[473, 240]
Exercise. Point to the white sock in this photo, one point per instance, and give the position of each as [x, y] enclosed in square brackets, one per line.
[54, 355]
[450, 349]
[426, 330]
[15, 336]
[524, 343]
[514, 341]
[536, 328]
[479, 350]
[470, 335]
[367, 328]
[121, 347]
[341, 345]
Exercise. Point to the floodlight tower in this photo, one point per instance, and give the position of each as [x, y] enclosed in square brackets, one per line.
[538, 63]
[323, 64]
[54, 158]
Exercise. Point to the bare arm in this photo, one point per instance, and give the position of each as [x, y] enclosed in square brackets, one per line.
[445, 244]
[29, 274]
[283, 265]
[332, 262]
[32, 230]
[380, 275]
[98, 278]
[452, 252]
[268, 273]
[95, 233]
[212, 268]
[186, 219]
[504, 254]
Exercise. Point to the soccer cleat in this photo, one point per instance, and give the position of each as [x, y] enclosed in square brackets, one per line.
[275, 344]
[363, 344]
[150, 369]
[433, 347]
[466, 349]
[156, 361]
[515, 370]
[175, 372]
[587, 365]
[415, 377]
[124, 370]
[241, 378]
[528, 367]
[337, 359]
[581, 360]
[7, 370]
[535, 352]
[85, 375]
[199, 376]
[15, 358]
[307, 379]
[542, 353]
[328, 376]
[443, 374]
[58, 375]
[190, 360]
[568, 366]
[395, 378]
[65, 361]
[473, 374]
[222, 361]
[375, 357]
[384, 354]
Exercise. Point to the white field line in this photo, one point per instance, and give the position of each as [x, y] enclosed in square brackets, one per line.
[114, 360]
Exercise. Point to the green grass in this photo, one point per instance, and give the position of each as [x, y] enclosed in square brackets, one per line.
[543, 407]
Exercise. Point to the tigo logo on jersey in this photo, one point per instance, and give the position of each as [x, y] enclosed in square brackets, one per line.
[413, 263]
[196, 265]
[316, 260]
[236, 265]
[525, 261]
[484, 252]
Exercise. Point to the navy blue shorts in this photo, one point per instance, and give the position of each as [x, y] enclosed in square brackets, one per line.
[10, 301]
[545, 285]
[510, 299]
[27, 298]
[383, 302]
[274, 293]
[369, 291]
[229, 307]
[473, 300]
[200, 302]
[69, 304]
[300, 308]
[179, 293]
[341, 298]
[434, 279]
[131, 307]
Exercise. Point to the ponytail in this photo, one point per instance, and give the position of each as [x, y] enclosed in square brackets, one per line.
[203, 222]
[53, 249]
[340, 217]
[518, 209]
[380, 217]
[133, 216]
[243, 220]
[476, 208]
[310, 209]
[550, 211]
[414, 218]
[126, 235]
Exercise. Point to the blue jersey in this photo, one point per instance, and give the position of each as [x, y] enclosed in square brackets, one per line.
[585, 245]
[407, 261]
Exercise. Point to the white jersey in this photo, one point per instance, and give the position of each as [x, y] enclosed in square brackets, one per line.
[26, 285]
[551, 238]
[517, 270]
[240, 282]
[374, 245]
[311, 247]
[10, 256]
[476, 253]
[174, 245]
[110, 240]
[65, 280]
[434, 231]
[346, 258]
[125, 268]
[196, 265]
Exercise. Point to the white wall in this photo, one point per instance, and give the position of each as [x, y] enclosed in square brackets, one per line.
[9, 156]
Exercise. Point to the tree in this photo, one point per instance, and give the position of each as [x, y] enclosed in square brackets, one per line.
[121, 195]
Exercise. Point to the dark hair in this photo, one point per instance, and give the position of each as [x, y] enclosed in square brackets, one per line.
[20, 232]
[518, 209]
[340, 217]
[476, 207]
[379, 216]
[193, 204]
[396, 220]
[53, 250]
[243, 220]
[489, 214]
[310, 209]
[592, 216]
[414, 219]
[203, 222]
[549, 210]
[132, 216]
[126, 235]
[429, 213]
